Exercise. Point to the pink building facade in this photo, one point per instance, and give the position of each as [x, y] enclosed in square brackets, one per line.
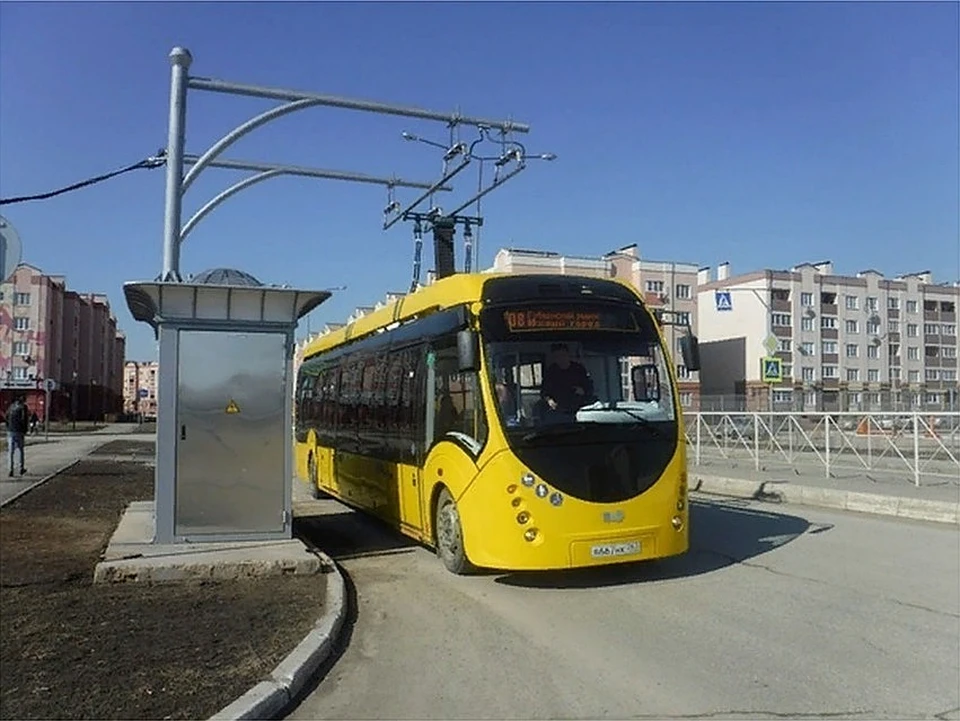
[50, 332]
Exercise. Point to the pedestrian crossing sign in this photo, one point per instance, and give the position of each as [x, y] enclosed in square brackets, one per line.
[771, 370]
[723, 300]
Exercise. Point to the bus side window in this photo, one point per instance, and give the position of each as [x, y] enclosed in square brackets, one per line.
[458, 406]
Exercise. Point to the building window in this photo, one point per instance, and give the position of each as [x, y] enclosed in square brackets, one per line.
[810, 398]
[21, 299]
[654, 286]
[893, 326]
[948, 374]
[780, 294]
[948, 352]
[783, 396]
[807, 348]
[784, 345]
[913, 330]
[806, 299]
[932, 374]
[911, 306]
[782, 320]
[828, 298]
[806, 324]
[787, 370]
[853, 350]
[873, 327]
[873, 351]
[852, 302]
[933, 399]
[913, 376]
[894, 374]
[828, 321]
[682, 372]
[806, 373]
[913, 352]
[852, 326]
[871, 303]
[853, 374]
[21, 323]
[893, 303]
[828, 371]
[686, 399]
[931, 351]
[873, 399]
[682, 291]
[931, 328]
[873, 375]
[683, 317]
[948, 329]
[21, 348]
[829, 347]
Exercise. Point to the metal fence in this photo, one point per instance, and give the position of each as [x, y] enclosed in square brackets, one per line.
[843, 400]
[917, 445]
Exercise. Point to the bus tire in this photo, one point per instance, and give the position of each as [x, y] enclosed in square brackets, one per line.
[314, 478]
[449, 535]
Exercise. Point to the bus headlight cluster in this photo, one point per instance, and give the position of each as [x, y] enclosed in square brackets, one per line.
[527, 480]
[555, 498]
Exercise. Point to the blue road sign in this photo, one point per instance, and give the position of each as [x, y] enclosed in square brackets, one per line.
[772, 370]
[723, 300]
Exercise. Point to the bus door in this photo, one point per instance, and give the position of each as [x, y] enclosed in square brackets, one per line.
[410, 435]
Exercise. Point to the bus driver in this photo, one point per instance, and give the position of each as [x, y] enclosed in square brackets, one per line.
[566, 384]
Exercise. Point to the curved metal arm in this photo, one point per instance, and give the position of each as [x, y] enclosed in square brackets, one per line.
[232, 190]
[238, 132]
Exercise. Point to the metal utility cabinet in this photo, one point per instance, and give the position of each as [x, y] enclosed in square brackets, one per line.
[225, 393]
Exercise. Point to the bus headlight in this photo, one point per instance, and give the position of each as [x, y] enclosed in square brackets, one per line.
[542, 490]
[555, 498]
[527, 479]
[530, 534]
[523, 517]
[681, 505]
[677, 523]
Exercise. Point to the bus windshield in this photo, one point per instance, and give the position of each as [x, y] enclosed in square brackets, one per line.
[557, 370]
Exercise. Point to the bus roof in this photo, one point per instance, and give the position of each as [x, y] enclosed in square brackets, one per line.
[458, 289]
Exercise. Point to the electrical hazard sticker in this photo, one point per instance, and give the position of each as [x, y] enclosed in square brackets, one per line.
[232, 407]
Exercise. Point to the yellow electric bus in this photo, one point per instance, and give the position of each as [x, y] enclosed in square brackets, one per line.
[512, 422]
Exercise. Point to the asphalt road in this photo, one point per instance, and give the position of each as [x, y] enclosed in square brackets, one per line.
[777, 611]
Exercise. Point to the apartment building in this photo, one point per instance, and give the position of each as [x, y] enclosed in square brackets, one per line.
[862, 342]
[140, 387]
[666, 285]
[51, 332]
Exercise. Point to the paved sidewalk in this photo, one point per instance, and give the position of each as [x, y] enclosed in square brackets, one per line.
[936, 499]
[46, 458]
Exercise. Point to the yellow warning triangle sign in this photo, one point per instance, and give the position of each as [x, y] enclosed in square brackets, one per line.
[232, 407]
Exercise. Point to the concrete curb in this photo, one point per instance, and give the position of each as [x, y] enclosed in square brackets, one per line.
[271, 697]
[918, 509]
[56, 473]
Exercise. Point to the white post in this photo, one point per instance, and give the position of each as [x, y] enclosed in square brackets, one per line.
[916, 449]
[826, 420]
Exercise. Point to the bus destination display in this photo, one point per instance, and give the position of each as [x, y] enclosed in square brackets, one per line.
[532, 320]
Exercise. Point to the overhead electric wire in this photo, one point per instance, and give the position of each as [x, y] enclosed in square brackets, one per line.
[154, 161]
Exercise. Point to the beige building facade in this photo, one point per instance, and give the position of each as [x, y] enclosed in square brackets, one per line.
[140, 387]
[858, 343]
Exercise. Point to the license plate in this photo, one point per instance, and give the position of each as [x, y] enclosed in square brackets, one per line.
[610, 550]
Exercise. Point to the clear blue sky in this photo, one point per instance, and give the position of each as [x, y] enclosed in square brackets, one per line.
[763, 134]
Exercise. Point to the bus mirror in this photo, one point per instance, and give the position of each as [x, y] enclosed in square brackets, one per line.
[646, 382]
[468, 350]
[690, 350]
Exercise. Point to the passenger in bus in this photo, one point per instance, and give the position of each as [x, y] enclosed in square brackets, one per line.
[566, 384]
[447, 419]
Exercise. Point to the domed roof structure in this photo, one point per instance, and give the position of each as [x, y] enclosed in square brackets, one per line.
[225, 276]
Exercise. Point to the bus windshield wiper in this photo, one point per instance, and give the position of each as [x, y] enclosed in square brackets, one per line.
[637, 418]
[559, 429]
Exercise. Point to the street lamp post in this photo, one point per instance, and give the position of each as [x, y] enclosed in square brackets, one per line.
[73, 402]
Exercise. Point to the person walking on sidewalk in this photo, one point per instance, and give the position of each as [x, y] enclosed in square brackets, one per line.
[18, 423]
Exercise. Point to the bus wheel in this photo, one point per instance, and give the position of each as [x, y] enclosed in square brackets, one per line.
[450, 535]
[315, 491]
